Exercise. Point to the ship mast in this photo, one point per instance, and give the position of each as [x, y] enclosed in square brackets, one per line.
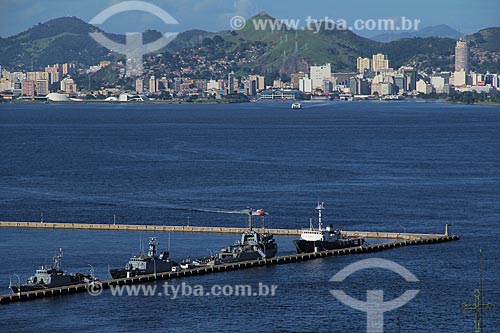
[152, 247]
[478, 306]
[319, 208]
[250, 220]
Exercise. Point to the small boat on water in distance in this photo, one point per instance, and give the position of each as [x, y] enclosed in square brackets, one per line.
[296, 106]
[315, 240]
[51, 276]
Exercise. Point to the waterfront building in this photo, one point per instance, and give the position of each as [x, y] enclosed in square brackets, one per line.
[410, 75]
[359, 86]
[153, 84]
[28, 88]
[492, 80]
[68, 86]
[230, 83]
[400, 83]
[139, 86]
[42, 87]
[305, 85]
[318, 74]
[461, 79]
[281, 94]
[5, 84]
[424, 87]
[259, 81]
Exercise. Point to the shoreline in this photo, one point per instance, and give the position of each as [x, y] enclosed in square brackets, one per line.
[216, 102]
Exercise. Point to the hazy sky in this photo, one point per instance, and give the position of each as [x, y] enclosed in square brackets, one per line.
[466, 16]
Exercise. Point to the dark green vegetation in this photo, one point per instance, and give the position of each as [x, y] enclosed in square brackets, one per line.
[487, 39]
[474, 98]
[57, 41]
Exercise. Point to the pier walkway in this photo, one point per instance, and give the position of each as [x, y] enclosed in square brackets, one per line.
[224, 230]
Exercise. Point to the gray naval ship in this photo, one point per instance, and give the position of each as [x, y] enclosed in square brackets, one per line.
[51, 276]
[252, 245]
[142, 264]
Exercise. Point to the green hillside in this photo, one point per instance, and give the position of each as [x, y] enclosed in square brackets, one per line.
[57, 41]
[488, 39]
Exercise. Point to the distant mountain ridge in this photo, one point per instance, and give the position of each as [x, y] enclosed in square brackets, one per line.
[441, 31]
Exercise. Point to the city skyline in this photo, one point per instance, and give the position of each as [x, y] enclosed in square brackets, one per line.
[215, 15]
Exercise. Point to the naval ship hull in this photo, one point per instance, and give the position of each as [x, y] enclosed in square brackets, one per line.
[122, 273]
[66, 281]
[304, 246]
[247, 256]
[161, 267]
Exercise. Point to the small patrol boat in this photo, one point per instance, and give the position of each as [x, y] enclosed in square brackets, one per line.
[50, 277]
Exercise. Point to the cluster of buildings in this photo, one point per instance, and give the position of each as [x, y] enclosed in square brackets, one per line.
[374, 77]
[180, 86]
[54, 78]
[31, 84]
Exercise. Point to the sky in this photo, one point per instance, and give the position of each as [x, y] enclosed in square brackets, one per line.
[466, 16]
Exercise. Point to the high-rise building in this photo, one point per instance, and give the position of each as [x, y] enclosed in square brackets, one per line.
[305, 85]
[28, 88]
[230, 83]
[42, 87]
[320, 73]
[410, 75]
[363, 64]
[153, 84]
[379, 61]
[139, 86]
[462, 56]
[68, 68]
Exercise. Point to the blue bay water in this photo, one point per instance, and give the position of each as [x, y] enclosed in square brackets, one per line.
[378, 166]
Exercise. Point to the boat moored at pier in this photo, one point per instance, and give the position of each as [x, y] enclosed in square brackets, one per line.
[51, 276]
[315, 240]
[252, 245]
[143, 264]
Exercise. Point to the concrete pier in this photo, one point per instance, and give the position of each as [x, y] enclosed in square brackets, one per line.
[26, 296]
[224, 230]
